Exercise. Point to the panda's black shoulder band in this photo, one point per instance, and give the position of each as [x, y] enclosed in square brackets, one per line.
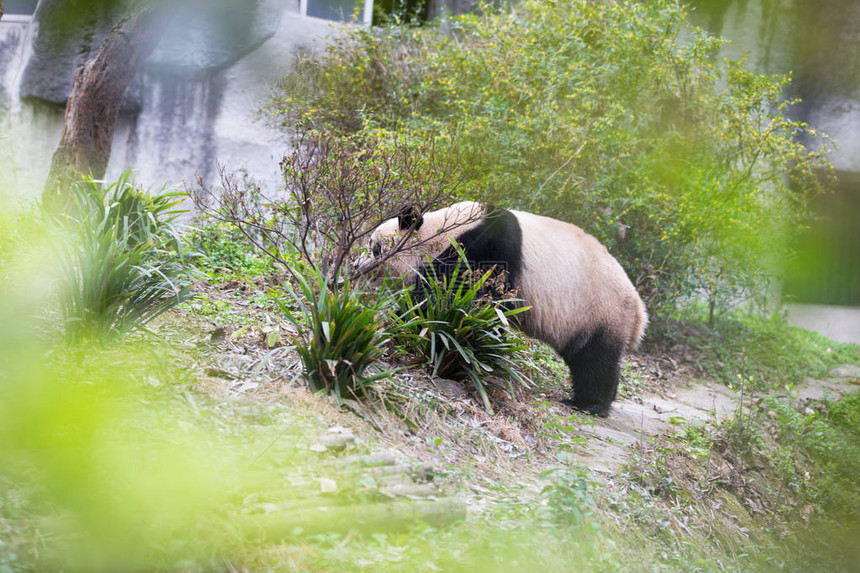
[494, 243]
[410, 217]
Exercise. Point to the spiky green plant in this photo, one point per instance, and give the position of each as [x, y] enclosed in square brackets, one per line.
[121, 259]
[452, 321]
[340, 335]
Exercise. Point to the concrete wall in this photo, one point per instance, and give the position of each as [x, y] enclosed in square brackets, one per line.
[195, 104]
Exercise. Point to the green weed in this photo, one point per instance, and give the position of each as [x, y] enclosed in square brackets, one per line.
[766, 352]
[341, 335]
[122, 261]
[569, 500]
[845, 414]
[225, 254]
[461, 332]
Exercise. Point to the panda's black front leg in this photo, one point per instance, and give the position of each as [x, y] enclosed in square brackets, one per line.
[595, 366]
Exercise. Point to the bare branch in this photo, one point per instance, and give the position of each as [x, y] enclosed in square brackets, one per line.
[337, 190]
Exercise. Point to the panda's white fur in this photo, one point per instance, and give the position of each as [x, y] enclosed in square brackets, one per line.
[431, 238]
[582, 302]
[579, 283]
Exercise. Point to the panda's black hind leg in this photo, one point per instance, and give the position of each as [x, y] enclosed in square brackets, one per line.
[595, 366]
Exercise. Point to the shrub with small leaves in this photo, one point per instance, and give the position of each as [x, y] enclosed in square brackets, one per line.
[617, 116]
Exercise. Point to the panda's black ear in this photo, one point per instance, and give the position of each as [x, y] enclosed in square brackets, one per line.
[410, 216]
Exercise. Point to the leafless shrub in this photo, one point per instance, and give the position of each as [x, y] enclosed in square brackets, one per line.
[337, 189]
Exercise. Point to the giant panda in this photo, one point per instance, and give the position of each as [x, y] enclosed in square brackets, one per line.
[582, 302]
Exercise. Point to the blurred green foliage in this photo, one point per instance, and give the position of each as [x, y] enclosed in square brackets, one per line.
[92, 477]
[107, 461]
[825, 265]
[616, 116]
[122, 260]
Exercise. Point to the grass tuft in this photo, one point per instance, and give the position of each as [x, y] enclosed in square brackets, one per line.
[455, 324]
[121, 258]
[340, 336]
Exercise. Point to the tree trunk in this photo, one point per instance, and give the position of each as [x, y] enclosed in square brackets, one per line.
[93, 106]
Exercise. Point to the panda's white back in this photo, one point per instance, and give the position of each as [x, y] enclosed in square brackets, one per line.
[571, 280]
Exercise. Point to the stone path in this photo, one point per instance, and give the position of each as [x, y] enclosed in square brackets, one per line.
[631, 421]
[840, 323]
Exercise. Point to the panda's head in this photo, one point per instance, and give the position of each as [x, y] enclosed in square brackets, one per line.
[425, 235]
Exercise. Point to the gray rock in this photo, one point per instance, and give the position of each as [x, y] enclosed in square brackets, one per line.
[411, 491]
[65, 37]
[202, 37]
[452, 7]
[383, 458]
[845, 371]
[11, 38]
[336, 442]
[205, 36]
[449, 388]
